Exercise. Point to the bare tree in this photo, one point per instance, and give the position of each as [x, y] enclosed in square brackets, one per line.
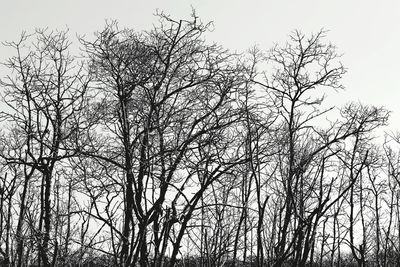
[157, 148]
[303, 68]
[43, 94]
[167, 104]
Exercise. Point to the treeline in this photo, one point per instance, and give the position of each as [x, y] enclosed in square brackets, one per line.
[157, 148]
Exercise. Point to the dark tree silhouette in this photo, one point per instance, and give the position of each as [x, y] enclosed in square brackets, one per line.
[158, 148]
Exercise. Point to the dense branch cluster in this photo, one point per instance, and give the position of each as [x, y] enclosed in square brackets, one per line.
[156, 148]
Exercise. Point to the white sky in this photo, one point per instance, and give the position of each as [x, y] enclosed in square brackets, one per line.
[367, 32]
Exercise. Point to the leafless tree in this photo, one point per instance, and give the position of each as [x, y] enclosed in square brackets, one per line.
[303, 67]
[157, 148]
[43, 94]
[167, 101]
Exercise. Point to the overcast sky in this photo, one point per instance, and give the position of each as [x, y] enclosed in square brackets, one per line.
[366, 32]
